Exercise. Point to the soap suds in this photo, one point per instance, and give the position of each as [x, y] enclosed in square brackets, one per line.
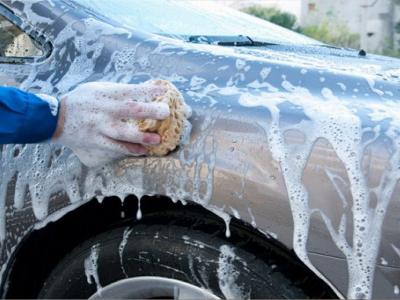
[396, 250]
[334, 121]
[139, 211]
[253, 219]
[384, 261]
[90, 266]
[43, 171]
[228, 275]
[52, 101]
[121, 248]
[224, 216]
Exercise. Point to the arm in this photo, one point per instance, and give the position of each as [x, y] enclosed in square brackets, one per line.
[92, 120]
[25, 118]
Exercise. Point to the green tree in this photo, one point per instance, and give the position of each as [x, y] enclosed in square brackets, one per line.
[273, 15]
[333, 34]
[327, 32]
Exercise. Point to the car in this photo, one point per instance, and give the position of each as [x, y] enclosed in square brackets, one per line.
[285, 186]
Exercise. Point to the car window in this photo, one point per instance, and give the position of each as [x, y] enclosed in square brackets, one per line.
[16, 43]
[179, 19]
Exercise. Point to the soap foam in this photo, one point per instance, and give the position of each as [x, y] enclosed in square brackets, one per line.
[228, 275]
[335, 121]
[90, 266]
[43, 171]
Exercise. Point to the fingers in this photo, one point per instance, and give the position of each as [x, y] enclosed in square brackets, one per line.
[123, 147]
[136, 110]
[110, 149]
[134, 149]
[145, 92]
[136, 101]
[129, 133]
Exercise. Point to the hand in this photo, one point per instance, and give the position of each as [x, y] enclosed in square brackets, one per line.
[93, 120]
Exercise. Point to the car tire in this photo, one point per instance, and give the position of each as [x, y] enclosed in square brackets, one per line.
[170, 252]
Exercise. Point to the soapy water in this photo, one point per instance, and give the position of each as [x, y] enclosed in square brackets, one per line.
[90, 267]
[335, 122]
[121, 248]
[228, 275]
[41, 171]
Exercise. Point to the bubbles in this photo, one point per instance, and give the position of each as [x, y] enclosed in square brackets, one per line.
[121, 248]
[264, 73]
[196, 82]
[90, 265]
[240, 64]
[338, 123]
[228, 274]
[139, 211]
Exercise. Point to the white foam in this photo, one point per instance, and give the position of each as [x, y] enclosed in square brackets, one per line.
[52, 101]
[43, 173]
[90, 266]
[253, 219]
[342, 86]
[396, 250]
[121, 248]
[224, 216]
[384, 261]
[235, 212]
[335, 121]
[228, 275]
[265, 73]
[371, 83]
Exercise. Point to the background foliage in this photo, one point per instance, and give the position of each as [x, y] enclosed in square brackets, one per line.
[327, 32]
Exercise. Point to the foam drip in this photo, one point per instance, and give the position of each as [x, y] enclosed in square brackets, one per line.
[121, 248]
[90, 265]
[228, 275]
[335, 121]
[43, 172]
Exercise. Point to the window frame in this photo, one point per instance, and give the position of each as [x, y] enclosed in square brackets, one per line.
[39, 39]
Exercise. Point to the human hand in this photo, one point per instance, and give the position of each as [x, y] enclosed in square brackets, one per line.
[93, 120]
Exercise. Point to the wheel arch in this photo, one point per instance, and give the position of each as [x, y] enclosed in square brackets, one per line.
[52, 242]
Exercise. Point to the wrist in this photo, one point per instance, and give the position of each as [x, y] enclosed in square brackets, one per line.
[61, 119]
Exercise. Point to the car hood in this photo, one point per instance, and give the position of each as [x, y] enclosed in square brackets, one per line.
[329, 58]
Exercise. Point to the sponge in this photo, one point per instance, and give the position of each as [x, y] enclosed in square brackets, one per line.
[170, 129]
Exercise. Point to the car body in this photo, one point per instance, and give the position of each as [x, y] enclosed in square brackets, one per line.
[287, 137]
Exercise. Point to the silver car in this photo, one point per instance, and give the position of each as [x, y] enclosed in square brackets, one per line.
[285, 187]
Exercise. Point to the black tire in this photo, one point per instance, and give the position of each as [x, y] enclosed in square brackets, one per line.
[174, 252]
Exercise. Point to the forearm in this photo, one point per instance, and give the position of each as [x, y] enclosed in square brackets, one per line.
[97, 120]
[26, 118]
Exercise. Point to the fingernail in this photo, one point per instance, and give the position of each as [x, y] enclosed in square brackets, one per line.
[163, 111]
[152, 139]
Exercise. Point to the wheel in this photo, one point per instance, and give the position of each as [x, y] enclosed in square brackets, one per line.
[164, 261]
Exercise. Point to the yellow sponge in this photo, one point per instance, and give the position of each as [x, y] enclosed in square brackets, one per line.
[171, 128]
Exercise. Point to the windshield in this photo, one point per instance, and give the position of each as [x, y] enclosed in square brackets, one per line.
[180, 19]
